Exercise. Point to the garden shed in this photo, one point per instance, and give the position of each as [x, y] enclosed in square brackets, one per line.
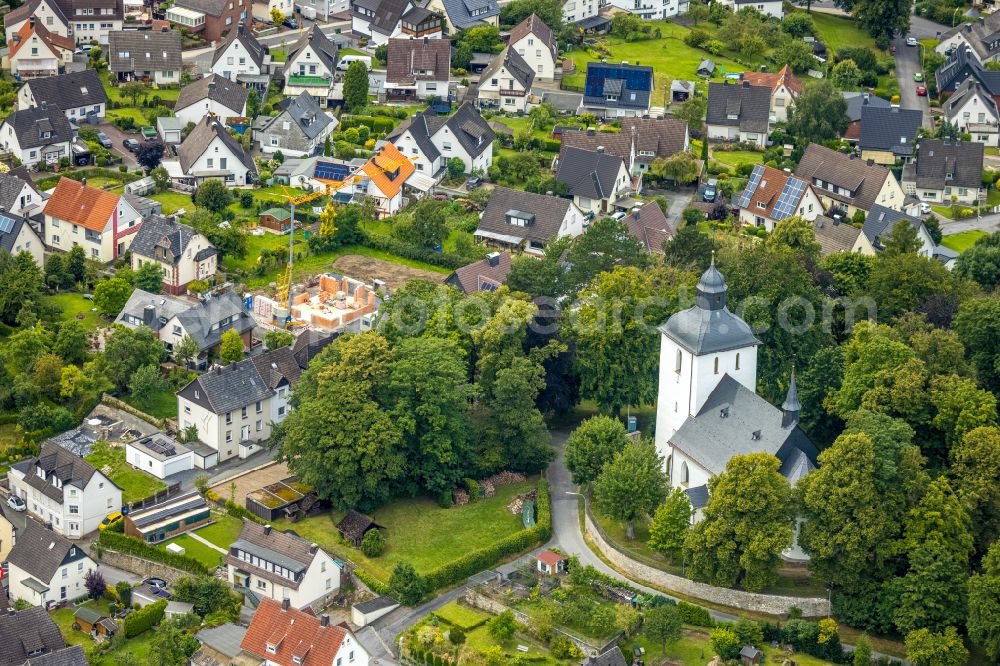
[550, 562]
[366, 612]
[276, 219]
[355, 525]
[85, 619]
[288, 498]
[750, 655]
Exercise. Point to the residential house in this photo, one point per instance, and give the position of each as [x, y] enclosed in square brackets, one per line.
[536, 44]
[784, 85]
[596, 180]
[418, 68]
[33, 51]
[311, 66]
[847, 184]
[10, 522]
[282, 566]
[209, 151]
[261, 10]
[46, 12]
[279, 635]
[242, 59]
[213, 96]
[221, 645]
[181, 253]
[103, 223]
[146, 56]
[63, 490]
[234, 406]
[386, 172]
[856, 101]
[430, 141]
[584, 13]
[836, 235]
[159, 455]
[465, 14]
[165, 520]
[212, 19]
[648, 224]
[79, 94]
[487, 274]
[36, 135]
[739, 113]
[94, 20]
[651, 10]
[766, 7]
[172, 318]
[961, 65]
[639, 143]
[972, 109]
[945, 171]
[31, 637]
[524, 221]
[299, 130]
[617, 90]
[19, 195]
[772, 196]
[506, 82]
[888, 135]
[880, 223]
[380, 20]
[981, 38]
[17, 235]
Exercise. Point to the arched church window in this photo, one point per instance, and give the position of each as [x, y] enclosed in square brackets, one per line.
[737, 360]
[685, 473]
[716, 365]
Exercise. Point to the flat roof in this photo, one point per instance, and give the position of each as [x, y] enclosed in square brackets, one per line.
[185, 12]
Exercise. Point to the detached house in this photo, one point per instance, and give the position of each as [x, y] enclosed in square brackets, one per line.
[211, 18]
[33, 51]
[648, 224]
[972, 109]
[47, 568]
[652, 10]
[981, 38]
[847, 184]
[487, 274]
[739, 113]
[772, 196]
[856, 102]
[32, 638]
[784, 86]
[242, 59]
[45, 12]
[961, 65]
[234, 406]
[465, 14]
[945, 171]
[430, 141]
[312, 66]
[210, 152]
[19, 195]
[617, 91]
[639, 143]
[282, 566]
[880, 223]
[524, 221]
[181, 253]
[380, 20]
[79, 94]
[596, 180]
[63, 489]
[384, 175]
[418, 68]
[41, 134]
[17, 236]
[213, 96]
[105, 224]
[506, 82]
[536, 44]
[145, 56]
[888, 135]
[299, 129]
[282, 636]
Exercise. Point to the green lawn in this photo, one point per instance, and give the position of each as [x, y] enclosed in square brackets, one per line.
[137, 648]
[162, 404]
[128, 112]
[114, 92]
[963, 241]
[420, 532]
[525, 123]
[223, 532]
[462, 617]
[135, 484]
[735, 158]
[839, 31]
[537, 654]
[173, 201]
[73, 305]
[694, 649]
[195, 549]
[278, 55]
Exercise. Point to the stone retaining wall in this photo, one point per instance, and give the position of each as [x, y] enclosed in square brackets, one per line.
[749, 601]
[141, 567]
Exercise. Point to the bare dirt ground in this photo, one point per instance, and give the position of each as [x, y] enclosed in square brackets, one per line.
[252, 481]
[368, 269]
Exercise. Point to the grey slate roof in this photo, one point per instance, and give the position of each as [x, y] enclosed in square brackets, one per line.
[28, 9]
[589, 173]
[969, 88]
[157, 230]
[744, 106]
[378, 603]
[862, 178]
[10, 190]
[387, 13]
[891, 129]
[708, 326]
[250, 44]
[40, 551]
[485, 274]
[858, 100]
[306, 114]
[31, 124]
[198, 141]
[698, 496]
[460, 12]
[166, 307]
[466, 125]
[515, 64]
[981, 35]
[59, 463]
[880, 222]
[834, 236]
[612, 657]
[309, 344]
[320, 44]
[217, 89]
[938, 159]
[281, 548]
[8, 238]
[69, 91]
[243, 383]
[225, 638]
[27, 631]
[210, 7]
[549, 213]
[198, 320]
[127, 51]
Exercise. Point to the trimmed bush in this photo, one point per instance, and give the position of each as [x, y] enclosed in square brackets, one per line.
[237, 511]
[144, 619]
[373, 543]
[694, 615]
[375, 585]
[414, 253]
[126, 545]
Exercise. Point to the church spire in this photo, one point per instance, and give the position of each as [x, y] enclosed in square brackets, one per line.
[711, 290]
[791, 407]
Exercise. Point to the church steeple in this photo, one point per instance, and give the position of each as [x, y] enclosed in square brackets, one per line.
[711, 289]
[791, 407]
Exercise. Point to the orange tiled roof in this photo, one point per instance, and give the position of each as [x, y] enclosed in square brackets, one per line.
[74, 202]
[550, 558]
[381, 167]
[768, 190]
[50, 39]
[773, 80]
[292, 633]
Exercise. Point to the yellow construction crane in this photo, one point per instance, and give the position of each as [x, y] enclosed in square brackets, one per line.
[284, 280]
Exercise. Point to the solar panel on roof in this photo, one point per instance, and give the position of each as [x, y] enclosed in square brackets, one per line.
[331, 171]
[755, 176]
[157, 516]
[790, 195]
[6, 224]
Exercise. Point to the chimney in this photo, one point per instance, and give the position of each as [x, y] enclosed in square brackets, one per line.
[746, 84]
[313, 548]
[871, 162]
[267, 530]
[425, 39]
[44, 104]
[149, 315]
[600, 149]
[218, 369]
[83, 182]
[591, 132]
[285, 605]
[635, 213]
[31, 21]
[324, 620]
[493, 258]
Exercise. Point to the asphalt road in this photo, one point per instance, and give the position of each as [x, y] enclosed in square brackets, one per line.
[908, 64]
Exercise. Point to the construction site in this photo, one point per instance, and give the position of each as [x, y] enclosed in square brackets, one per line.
[328, 302]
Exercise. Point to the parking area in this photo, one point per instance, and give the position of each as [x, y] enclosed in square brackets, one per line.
[117, 137]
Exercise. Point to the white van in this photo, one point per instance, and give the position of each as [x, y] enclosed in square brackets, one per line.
[346, 61]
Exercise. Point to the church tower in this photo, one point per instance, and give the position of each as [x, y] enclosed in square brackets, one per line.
[698, 347]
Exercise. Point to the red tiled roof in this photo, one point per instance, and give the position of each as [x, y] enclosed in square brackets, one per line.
[87, 206]
[50, 39]
[292, 633]
[550, 558]
[381, 167]
[773, 80]
[768, 190]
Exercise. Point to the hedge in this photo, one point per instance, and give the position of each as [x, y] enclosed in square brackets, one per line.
[414, 253]
[144, 619]
[375, 585]
[237, 511]
[130, 546]
[95, 172]
[376, 125]
[694, 615]
[484, 558]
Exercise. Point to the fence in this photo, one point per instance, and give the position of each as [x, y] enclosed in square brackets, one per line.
[161, 496]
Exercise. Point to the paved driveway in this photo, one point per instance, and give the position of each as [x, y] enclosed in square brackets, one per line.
[117, 137]
[908, 64]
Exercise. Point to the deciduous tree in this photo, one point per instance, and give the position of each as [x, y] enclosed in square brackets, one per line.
[929, 648]
[149, 277]
[663, 624]
[984, 604]
[111, 295]
[213, 195]
[592, 445]
[231, 347]
[975, 466]
[819, 114]
[670, 524]
[632, 485]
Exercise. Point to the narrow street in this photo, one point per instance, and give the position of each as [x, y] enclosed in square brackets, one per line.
[908, 64]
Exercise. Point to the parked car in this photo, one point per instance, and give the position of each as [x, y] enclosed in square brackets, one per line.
[16, 503]
[290, 23]
[473, 183]
[922, 90]
[156, 582]
[111, 520]
[131, 145]
[911, 41]
[918, 76]
[103, 139]
[711, 191]
[925, 209]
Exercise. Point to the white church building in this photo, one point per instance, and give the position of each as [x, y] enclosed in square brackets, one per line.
[708, 409]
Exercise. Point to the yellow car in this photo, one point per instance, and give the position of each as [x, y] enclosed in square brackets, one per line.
[111, 520]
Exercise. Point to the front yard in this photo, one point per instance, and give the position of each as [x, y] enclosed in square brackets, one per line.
[963, 241]
[132, 651]
[420, 532]
[135, 484]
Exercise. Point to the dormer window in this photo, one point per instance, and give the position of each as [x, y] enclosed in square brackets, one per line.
[519, 218]
[272, 649]
[949, 176]
[297, 659]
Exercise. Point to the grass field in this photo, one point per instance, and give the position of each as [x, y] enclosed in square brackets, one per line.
[420, 532]
[136, 649]
[838, 31]
[196, 550]
[74, 304]
[963, 241]
[129, 112]
[135, 484]
[695, 649]
[162, 404]
[223, 531]
[463, 617]
[173, 201]
[735, 158]
[114, 92]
